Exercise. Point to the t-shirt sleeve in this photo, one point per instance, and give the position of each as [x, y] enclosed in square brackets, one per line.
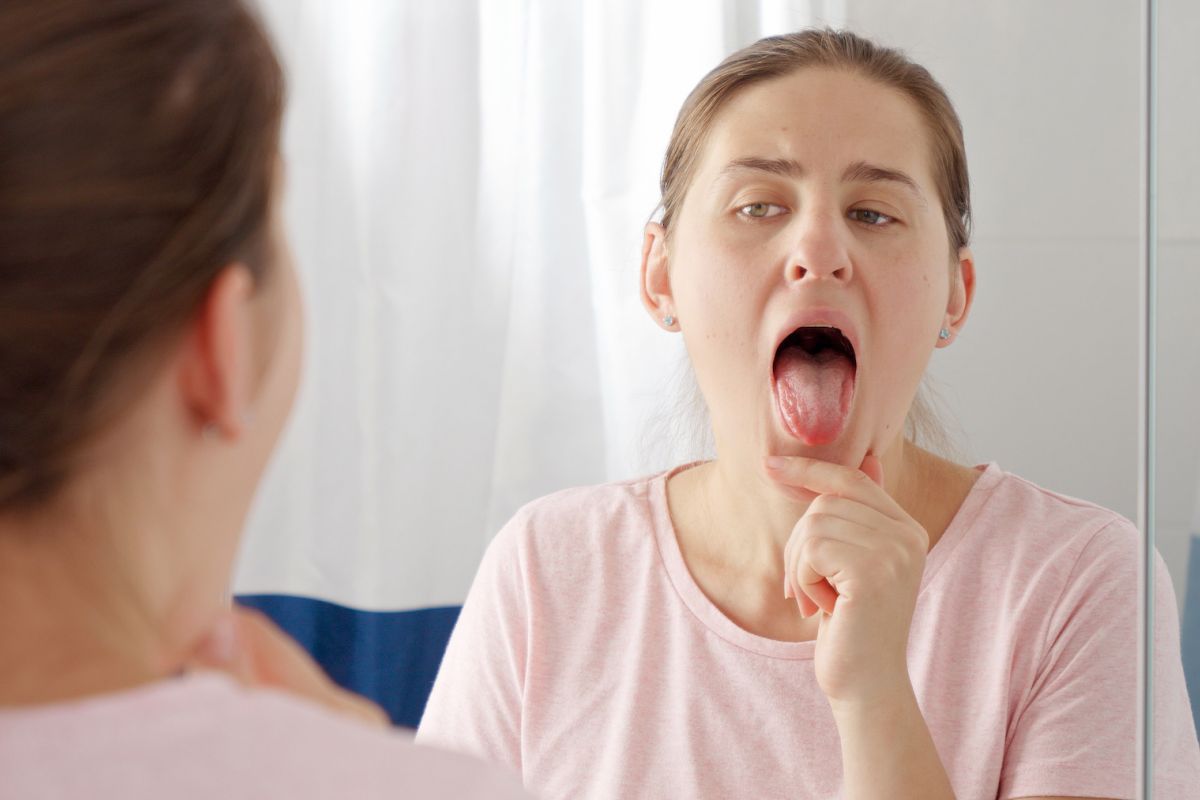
[1074, 733]
[475, 705]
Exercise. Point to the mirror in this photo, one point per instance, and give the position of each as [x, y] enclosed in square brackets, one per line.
[468, 188]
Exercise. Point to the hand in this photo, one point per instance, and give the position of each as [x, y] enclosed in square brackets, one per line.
[856, 558]
[247, 645]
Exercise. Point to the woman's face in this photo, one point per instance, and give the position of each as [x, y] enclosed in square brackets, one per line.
[810, 268]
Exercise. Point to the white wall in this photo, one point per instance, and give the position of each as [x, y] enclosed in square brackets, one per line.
[1178, 461]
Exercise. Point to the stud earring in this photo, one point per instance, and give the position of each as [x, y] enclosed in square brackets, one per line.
[943, 334]
[668, 320]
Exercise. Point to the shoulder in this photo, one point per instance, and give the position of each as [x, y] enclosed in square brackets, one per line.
[374, 762]
[353, 755]
[1017, 511]
[596, 518]
[251, 742]
[589, 505]
[1059, 564]
[1034, 546]
[1025, 501]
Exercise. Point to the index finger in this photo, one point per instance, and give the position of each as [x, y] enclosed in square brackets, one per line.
[825, 477]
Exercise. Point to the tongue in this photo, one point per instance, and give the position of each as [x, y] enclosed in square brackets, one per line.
[813, 393]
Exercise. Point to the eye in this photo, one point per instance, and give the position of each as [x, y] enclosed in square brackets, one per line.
[875, 219]
[761, 210]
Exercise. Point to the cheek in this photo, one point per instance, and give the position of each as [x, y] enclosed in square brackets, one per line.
[721, 278]
[721, 310]
[913, 288]
[719, 300]
[907, 304]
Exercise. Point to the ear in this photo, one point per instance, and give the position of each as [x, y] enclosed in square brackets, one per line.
[656, 278]
[217, 362]
[962, 295]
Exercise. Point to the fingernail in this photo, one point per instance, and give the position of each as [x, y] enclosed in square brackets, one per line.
[774, 462]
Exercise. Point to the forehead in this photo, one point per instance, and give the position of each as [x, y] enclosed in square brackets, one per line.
[825, 120]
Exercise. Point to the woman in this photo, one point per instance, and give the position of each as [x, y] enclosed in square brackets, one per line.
[826, 609]
[150, 334]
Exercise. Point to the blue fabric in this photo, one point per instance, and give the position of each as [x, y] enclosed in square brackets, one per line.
[391, 657]
[1191, 628]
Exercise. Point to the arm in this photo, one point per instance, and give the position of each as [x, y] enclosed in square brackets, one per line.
[887, 750]
[885, 746]
[856, 558]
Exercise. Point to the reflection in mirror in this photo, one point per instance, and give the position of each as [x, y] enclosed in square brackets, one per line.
[471, 236]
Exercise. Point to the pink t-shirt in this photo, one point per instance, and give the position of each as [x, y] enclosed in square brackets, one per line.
[588, 660]
[203, 736]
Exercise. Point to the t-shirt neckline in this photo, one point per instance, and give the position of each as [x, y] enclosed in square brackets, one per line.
[712, 618]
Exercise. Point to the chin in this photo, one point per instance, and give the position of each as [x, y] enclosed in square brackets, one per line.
[848, 449]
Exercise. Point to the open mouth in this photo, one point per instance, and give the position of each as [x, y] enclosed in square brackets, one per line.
[813, 376]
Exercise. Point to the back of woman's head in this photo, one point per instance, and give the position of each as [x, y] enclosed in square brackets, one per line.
[138, 145]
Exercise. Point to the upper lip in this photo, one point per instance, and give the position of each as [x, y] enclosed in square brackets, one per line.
[818, 317]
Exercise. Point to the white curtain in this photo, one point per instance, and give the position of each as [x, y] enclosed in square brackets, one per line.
[467, 186]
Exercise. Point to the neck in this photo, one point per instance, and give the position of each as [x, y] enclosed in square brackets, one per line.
[749, 520]
[82, 609]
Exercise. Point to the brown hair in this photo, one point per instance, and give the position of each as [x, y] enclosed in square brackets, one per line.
[138, 145]
[777, 56]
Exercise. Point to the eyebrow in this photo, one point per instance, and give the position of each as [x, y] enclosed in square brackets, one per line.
[787, 167]
[862, 172]
[858, 172]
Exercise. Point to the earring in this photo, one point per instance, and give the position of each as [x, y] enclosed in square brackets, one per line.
[668, 320]
[943, 334]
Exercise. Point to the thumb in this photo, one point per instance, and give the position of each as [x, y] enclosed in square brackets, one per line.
[873, 468]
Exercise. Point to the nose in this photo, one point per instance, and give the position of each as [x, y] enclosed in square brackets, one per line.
[819, 250]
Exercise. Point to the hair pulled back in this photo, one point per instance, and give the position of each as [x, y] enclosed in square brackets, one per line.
[138, 149]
